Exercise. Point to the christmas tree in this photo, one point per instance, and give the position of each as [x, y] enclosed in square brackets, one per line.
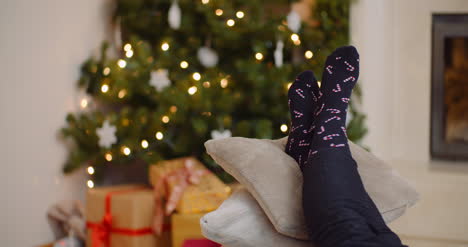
[188, 71]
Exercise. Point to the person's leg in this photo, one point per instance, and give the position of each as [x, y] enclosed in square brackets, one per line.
[337, 209]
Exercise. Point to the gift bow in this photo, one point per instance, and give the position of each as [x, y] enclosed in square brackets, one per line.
[182, 178]
[100, 233]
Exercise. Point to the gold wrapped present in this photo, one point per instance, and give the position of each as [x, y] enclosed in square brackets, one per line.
[122, 216]
[185, 227]
[204, 194]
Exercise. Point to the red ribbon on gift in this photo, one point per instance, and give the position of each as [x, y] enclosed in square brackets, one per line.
[182, 177]
[100, 231]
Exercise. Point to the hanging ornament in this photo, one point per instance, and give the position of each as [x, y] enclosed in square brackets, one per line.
[207, 56]
[175, 15]
[294, 21]
[220, 134]
[159, 79]
[278, 54]
[106, 135]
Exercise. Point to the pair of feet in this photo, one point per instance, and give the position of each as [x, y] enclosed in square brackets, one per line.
[318, 114]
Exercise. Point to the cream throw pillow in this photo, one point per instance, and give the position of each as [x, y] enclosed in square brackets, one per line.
[240, 222]
[275, 180]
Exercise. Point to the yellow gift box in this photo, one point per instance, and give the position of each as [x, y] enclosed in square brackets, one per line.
[185, 227]
[204, 196]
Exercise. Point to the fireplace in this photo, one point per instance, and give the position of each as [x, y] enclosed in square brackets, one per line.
[449, 96]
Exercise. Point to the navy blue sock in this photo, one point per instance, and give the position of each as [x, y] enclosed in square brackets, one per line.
[339, 77]
[303, 96]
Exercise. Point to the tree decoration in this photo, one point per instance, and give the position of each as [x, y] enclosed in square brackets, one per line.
[174, 15]
[106, 135]
[220, 134]
[294, 21]
[159, 79]
[278, 54]
[207, 57]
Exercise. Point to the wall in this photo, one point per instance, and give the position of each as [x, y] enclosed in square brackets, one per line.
[42, 46]
[394, 38]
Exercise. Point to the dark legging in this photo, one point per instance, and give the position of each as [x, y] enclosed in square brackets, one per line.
[337, 209]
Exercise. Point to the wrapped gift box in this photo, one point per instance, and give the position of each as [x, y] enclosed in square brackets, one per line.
[122, 216]
[186, 231]
[205, 196]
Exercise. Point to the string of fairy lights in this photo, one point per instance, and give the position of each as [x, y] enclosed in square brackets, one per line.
[165, 46]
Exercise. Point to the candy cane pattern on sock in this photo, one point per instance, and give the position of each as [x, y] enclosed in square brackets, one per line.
[322, 129]
[333, 111]
[298, 114]
[320, 110]
[293, 128]
[337, 89]
[302, 143]
[350, 67]
[290, 144]
[313, 96]
[334, 117]
[328, 68]
[300, 92]
[346, 100]
[312, 152]
[351, 78]
[344, 131]
[336, 145]
[329, 137]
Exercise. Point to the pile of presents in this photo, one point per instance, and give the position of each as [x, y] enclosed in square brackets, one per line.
[164, 215]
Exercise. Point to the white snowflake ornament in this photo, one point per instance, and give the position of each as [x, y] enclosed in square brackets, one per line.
[175, 15]
[106, 134]
[294, 21]
[207, 57]
[220, 134]
[159, 79]
[278, 53]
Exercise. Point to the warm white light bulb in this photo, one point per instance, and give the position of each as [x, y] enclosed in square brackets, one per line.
[258, 56]
[294, 37]
[90, 170]
[192, 90]
[122, 93]
[219, 12]
[127, 47]
[159, 135]
[121, 63]
[224, 83]
[104, 88]
[184, 64]
[206, 84]
[165, 119]
[230, 22]
[126, 150]
[84, 103]
[129, 53]
[308, 54]
[205, 1]
[144, 144]
[319, 83]
[90, 184]
[288, 85]
[284, 128]
[240, 14]
[196, 76]
[165, 46]
[106, 71]
[108, 156]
